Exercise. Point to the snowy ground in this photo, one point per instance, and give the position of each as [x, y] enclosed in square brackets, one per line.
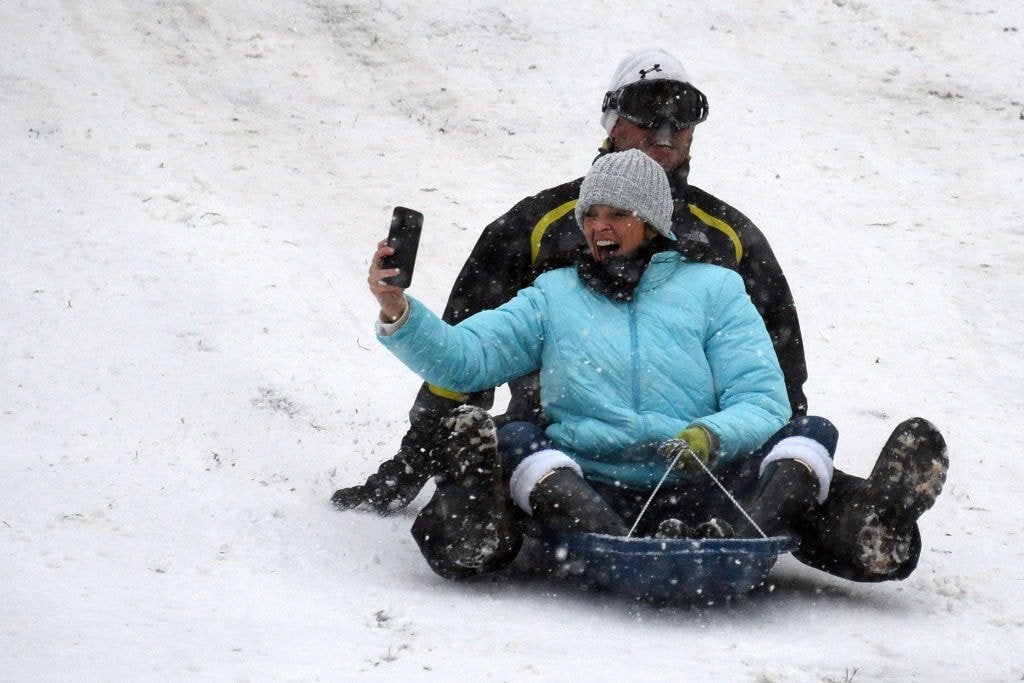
[189, 194]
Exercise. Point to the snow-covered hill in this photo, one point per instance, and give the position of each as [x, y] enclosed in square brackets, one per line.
[189, 195]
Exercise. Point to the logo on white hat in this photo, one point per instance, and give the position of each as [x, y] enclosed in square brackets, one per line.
[644, 72]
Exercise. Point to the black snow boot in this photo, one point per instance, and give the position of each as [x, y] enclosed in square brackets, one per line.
[391, 488]
[906, 480]
[398, 481]
[714, 528]
[867, 530]
[673, 528]
[783, 495]
[564, 501]
[467, 527]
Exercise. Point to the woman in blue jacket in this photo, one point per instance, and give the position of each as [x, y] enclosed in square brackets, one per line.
[646, 357]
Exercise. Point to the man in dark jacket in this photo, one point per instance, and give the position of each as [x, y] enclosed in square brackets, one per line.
[652, 106]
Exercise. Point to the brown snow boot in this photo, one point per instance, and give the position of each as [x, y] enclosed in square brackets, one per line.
[564, 501]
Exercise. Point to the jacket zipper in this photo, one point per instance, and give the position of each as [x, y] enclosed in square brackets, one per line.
[634, 352]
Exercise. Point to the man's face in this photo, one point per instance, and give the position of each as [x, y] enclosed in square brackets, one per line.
[670, 148]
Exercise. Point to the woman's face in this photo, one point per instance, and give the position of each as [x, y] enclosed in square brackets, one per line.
[612, 232]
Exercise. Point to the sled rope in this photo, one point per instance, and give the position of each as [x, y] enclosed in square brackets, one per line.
[704, 467]
[651, 497]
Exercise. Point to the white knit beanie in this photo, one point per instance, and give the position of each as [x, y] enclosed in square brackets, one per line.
[633, 181]
[648, 65]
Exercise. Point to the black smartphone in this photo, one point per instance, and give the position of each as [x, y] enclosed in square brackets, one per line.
[404, 237]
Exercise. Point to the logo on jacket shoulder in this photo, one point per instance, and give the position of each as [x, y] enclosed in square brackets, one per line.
[696, 236]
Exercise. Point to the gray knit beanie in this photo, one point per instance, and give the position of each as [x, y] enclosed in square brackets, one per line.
[633, 181]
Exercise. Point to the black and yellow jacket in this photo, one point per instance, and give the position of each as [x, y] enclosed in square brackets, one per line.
[540, 230]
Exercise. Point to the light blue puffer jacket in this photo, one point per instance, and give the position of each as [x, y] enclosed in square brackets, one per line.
[616, 376]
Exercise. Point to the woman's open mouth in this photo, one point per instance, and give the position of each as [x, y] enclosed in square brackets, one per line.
[606, 248]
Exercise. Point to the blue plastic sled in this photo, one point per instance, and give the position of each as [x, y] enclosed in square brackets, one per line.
[667, 570]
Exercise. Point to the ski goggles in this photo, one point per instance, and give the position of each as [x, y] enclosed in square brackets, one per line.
[652, 104]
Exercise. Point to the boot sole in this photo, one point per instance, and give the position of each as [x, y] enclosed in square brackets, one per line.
[909, 474]
[905, 482]
[472, 444]
[881, 550]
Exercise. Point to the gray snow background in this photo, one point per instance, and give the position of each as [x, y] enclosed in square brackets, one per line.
[189, 196]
